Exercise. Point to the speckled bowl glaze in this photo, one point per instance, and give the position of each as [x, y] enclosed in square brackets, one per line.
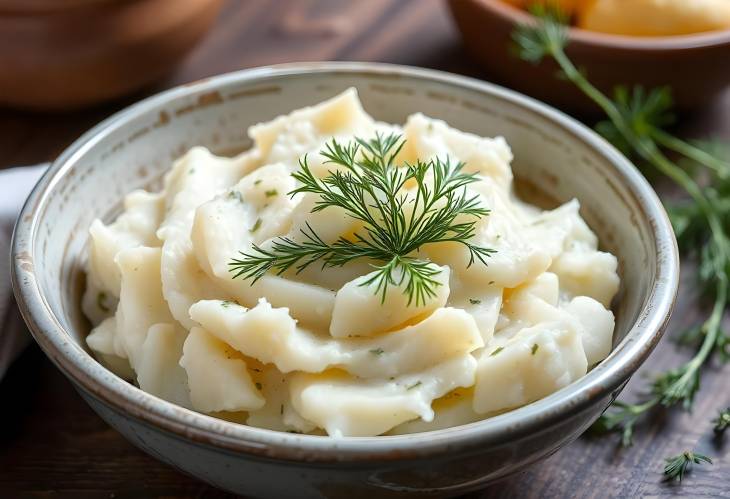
[556, 159]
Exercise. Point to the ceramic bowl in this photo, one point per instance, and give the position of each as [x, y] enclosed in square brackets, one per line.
[67, 54]
[556, 159]
[690, 64]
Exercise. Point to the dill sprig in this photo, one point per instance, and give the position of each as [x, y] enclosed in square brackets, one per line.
[635, 125]
[401, 209]
[677, 466]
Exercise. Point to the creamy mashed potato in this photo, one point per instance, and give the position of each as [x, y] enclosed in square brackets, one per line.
[318, 351]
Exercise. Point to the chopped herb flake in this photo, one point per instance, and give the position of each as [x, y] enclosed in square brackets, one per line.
[271, 193]
[258, 385]
[377, 351]
[534, 348]
[257, 182]
[101, 302]
[496, 351]
[474, 301]
[256, 226]
[236, 195]
[414, 385]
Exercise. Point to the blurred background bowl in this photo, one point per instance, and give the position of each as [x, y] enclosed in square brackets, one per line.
[695, 66]
[67, 54]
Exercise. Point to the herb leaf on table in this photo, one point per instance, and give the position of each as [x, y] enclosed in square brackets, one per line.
[722, 422]
[676, 467]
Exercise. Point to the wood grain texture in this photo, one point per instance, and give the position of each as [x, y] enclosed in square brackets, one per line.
[53, 445]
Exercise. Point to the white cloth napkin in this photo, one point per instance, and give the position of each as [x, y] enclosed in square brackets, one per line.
[15, 185]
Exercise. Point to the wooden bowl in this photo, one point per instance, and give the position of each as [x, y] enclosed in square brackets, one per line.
[695, 66]
[66, 54]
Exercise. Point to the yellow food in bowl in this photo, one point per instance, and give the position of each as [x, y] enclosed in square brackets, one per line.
[655, 17]
[643, 17]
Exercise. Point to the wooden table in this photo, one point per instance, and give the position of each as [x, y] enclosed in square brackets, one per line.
[53, 445]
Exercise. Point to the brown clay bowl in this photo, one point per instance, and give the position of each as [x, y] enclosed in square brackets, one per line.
[697, 67]
[66, 54]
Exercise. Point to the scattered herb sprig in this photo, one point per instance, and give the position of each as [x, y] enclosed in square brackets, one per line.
[401, 209]
[677, 466]
[636, 125]
[722, 422]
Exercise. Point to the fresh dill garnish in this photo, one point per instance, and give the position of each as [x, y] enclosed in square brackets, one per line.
[722, 422]
[256, 226]
[271, 193]
[534, 349]
[496, 351]
[414, 385]
[377, 351]
[635, 124]
[371, 188]
[474, 301]
[101, 302]
[677, 466]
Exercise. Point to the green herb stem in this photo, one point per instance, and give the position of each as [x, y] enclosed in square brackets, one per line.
[635, 125]
[664, 139]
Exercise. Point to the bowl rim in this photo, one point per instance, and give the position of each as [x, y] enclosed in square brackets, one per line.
[587, 38]
[123, 397]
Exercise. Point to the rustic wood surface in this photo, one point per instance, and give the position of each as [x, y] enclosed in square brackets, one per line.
[53, 445]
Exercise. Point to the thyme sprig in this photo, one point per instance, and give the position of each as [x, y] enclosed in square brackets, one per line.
[635, 124]
[401, 207]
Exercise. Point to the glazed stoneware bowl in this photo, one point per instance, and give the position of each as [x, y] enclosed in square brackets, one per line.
[693, 65]
[556, 159]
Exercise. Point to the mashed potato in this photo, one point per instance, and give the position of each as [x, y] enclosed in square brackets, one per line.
[318, 351]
